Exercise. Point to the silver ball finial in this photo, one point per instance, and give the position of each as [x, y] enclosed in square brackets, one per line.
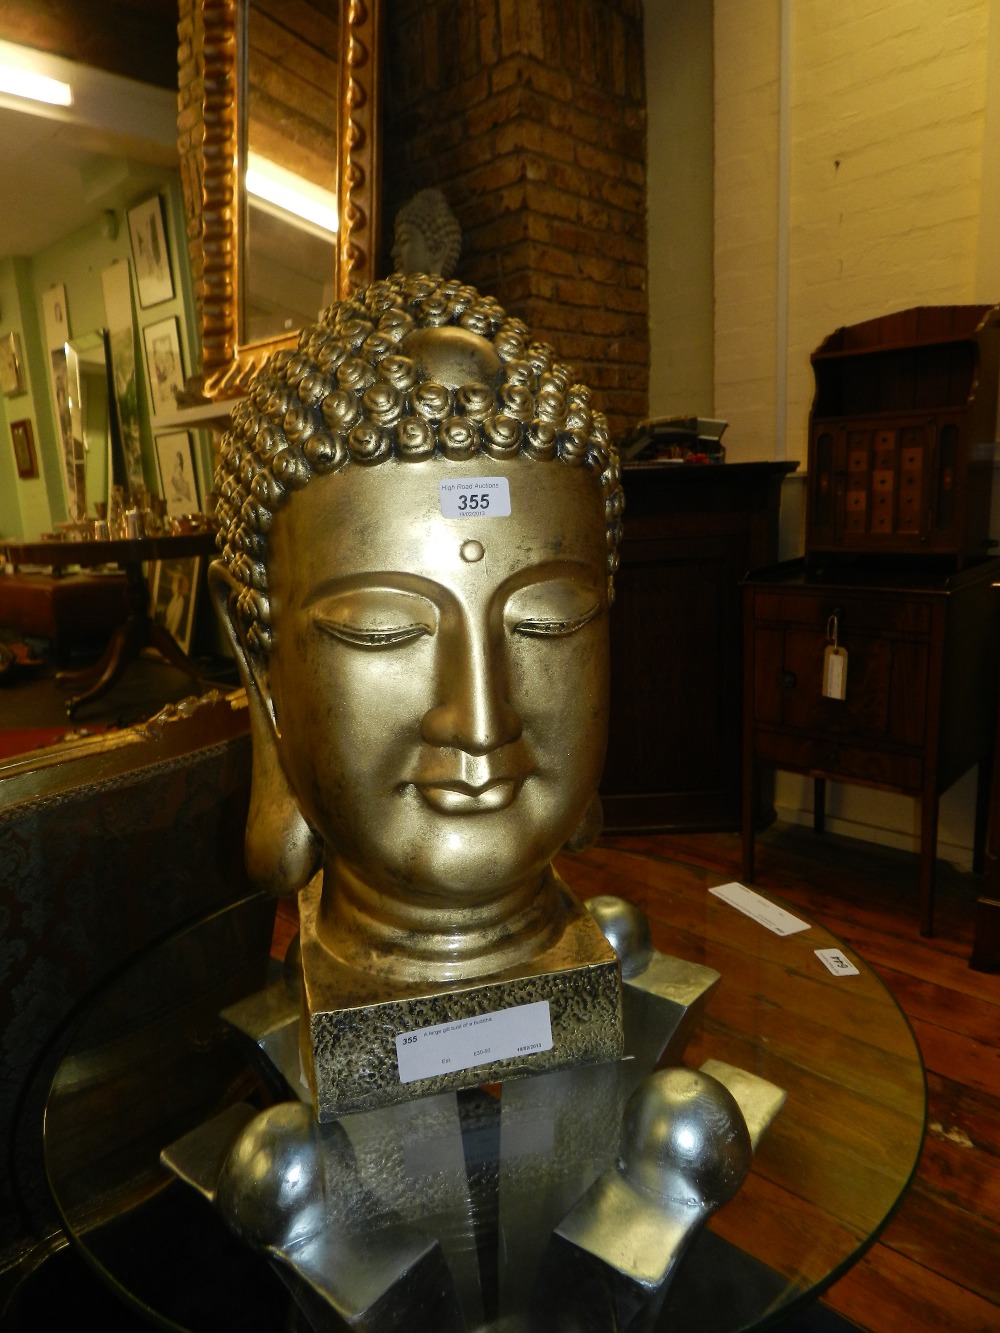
[625, 929]
[271, 1190]
[684, 1138]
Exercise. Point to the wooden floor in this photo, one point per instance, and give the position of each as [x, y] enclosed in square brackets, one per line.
[937, 1264]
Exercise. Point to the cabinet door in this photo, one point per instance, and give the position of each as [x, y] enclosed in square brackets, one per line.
[675, 702]
[864, 713]
[887, 671]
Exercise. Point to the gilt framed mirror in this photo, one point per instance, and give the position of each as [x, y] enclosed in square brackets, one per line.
[282, 170]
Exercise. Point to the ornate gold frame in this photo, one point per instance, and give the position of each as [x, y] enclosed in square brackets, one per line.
[226, 365]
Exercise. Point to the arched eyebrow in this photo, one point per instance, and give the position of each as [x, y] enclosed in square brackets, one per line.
[554, 567]
[391, 581]
[546, 571]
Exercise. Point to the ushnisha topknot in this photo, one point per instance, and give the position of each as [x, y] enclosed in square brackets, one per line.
[348, 394]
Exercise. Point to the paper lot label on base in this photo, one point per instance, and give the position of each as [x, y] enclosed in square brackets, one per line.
[481, 1039]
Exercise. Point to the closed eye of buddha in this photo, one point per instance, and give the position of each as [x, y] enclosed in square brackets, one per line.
[372, 636]
[555, 628]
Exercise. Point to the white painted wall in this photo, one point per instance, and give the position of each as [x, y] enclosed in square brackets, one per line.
[680, 192]
[856, 171]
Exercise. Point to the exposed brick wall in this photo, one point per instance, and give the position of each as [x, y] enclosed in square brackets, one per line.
[530, 116]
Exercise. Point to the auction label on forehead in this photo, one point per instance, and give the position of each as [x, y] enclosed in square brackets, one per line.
[481, 1039]
[475, 497]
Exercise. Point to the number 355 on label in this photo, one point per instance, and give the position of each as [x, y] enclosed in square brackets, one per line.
[475, 497]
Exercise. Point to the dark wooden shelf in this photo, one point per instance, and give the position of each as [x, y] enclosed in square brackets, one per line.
[902, 435]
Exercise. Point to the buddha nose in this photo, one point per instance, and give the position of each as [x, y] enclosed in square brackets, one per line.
[474, 714]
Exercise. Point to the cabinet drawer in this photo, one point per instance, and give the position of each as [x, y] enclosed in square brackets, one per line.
[862, 615]
[887, 685]
[828, 757]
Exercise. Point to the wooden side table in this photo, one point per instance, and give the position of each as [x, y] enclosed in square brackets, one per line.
[138, 630]
[920, 701]
[65, 608]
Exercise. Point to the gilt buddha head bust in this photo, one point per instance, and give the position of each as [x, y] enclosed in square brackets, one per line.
[419, 520]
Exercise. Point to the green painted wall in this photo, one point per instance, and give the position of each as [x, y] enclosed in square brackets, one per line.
[29, 508]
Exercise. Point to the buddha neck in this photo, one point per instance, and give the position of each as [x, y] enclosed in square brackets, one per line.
[416, 939]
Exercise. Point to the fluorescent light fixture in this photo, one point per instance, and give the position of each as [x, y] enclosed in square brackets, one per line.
[19, 82]
[289, 193]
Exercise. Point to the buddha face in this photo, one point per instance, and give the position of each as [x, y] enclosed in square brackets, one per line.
[412, 251]
[438, 680]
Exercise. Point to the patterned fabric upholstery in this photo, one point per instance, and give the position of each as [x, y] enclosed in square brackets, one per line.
[104, 848]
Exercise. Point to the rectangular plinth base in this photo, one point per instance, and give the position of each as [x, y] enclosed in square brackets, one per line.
[350, 1050]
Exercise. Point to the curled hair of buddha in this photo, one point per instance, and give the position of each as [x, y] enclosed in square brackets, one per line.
[349, 396]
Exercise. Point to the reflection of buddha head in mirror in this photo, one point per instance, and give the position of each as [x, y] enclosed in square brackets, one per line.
[419, 520]
[427, 236]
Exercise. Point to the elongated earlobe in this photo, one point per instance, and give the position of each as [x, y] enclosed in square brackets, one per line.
[589, 828]
[282, 852]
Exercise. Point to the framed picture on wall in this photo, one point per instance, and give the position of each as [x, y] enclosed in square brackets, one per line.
[174, 595]
[24, 448]
[148, 235]
[11, 365]
[163, 362]
[178, 485]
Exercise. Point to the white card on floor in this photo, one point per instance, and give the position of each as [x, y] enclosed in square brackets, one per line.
[837, 962]
[468, 1042]
[761, 909]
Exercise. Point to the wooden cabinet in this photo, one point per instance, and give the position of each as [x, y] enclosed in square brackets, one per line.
[691, 534]
[901, 443]
[919, 708]
[901, 435]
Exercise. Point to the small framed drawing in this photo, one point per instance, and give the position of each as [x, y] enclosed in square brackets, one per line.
[177, 480]
[163, 362]
[11, 365]
[24, 448]
[149, 252]
[174, 596]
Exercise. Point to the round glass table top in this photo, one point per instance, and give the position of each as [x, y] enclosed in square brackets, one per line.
[152, 1059]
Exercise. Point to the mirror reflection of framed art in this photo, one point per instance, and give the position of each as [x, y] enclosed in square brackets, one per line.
[178, 484]
[174, 596]
[148, 236]
[163, 363]
[24, 449]
[11, 365]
